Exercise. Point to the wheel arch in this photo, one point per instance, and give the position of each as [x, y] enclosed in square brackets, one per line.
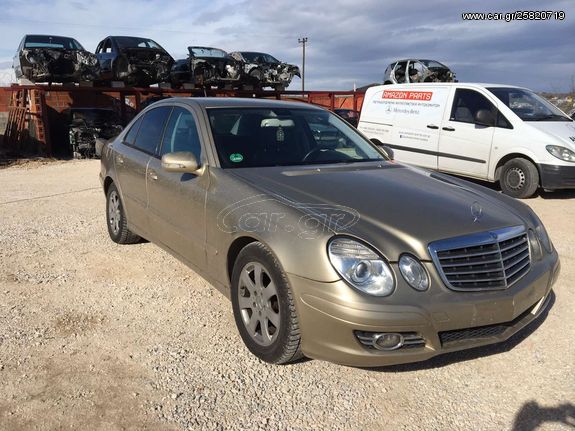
[234, 250]
[107, 183]
[511, 156]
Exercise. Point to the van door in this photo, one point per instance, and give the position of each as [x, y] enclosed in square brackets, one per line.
[464, 146]
[417, 114]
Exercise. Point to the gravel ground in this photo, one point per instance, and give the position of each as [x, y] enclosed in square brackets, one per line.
[98, 336]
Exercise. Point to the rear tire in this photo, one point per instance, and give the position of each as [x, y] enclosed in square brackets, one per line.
[263, 305]
[116, 219]
[519, 178]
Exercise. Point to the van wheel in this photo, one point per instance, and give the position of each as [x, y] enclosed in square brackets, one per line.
[519, 178]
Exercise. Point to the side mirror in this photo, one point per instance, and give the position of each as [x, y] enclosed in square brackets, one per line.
[181, 161]
[485, 117]
[385, 148]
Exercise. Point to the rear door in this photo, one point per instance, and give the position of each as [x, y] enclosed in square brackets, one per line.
[105, 55]
[464, 146]
[131, 161]
[176, 200]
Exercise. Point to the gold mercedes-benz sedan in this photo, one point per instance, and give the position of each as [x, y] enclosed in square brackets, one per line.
[325, 246]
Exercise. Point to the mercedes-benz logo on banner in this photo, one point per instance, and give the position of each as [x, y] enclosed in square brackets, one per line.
[476, 211]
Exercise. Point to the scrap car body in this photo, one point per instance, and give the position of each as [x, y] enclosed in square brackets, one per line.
[264, 70]
[90, 128]
[412, 70]
[44, 58]
[207, 67]
[135, 61]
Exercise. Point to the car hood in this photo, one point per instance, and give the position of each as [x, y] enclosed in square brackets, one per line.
[395, 208]
[562, 130]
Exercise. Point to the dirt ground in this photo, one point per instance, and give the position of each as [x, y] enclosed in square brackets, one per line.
[98, 336]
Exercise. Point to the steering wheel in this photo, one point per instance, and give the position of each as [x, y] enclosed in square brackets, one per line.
[313, 155]
[315, 152]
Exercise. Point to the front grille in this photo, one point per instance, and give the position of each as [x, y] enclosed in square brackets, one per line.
[483, 261]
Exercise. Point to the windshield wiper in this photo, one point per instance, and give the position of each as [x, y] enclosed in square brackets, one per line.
[549, 117]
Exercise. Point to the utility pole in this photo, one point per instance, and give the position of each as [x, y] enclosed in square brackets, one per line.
[303, 41]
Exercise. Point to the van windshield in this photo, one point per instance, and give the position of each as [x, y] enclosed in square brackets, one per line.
[527, 105]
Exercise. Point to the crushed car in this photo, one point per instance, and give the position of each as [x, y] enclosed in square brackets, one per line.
[264, 70]
[45, 58]
[136, 61]
[207, 67]
[90, 129]
[411, 70]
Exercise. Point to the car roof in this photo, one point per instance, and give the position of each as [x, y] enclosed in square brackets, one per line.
[235, 102]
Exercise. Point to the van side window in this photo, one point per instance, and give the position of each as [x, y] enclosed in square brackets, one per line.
[181, 134]
[152, 129]
[466, 103]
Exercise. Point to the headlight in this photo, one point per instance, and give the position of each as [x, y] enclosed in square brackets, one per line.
[413, 272]
[562, 153]
[535, 245]
[543, 237]
[361, 266]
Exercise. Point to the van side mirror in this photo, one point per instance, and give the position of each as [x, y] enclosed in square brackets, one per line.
[181, 161]
[384, 147]
[485, 117]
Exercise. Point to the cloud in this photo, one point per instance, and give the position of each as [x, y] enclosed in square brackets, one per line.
[349, 42]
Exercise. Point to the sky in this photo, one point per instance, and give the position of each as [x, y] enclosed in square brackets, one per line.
[349, 42]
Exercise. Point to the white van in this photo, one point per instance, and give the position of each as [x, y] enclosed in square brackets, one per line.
[487, 131]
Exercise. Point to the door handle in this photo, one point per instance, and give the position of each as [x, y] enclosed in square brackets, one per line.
[153, 175]
[120, 160]
[432, 126]
[448, 129]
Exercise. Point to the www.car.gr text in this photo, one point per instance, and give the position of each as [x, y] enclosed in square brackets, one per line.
[520, 15]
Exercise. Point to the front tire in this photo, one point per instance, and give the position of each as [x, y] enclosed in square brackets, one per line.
[116, 219]
[519, 178]
[263, 305]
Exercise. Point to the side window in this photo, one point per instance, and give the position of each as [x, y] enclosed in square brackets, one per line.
[108, 46]
[399, 71]
[99, 48]
[466, 103]
[130, 137]
[152, 128]
[181, 134]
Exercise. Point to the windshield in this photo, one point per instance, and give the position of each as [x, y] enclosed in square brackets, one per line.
[259, 57]
[528, 106]
[136, 42]
[57, 42]
[258, 137]
[433, 64]
[207, 52]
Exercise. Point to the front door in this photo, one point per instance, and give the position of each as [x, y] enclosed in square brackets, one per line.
[464, 146]
[176, 201]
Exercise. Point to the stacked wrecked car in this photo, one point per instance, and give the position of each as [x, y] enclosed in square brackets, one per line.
[264, 70]
[141, 62]
[50, 59]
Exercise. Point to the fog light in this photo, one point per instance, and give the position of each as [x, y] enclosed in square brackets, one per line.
[387, 341]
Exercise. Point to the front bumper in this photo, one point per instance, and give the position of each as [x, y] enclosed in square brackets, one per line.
[331, 314]
[555, 177]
